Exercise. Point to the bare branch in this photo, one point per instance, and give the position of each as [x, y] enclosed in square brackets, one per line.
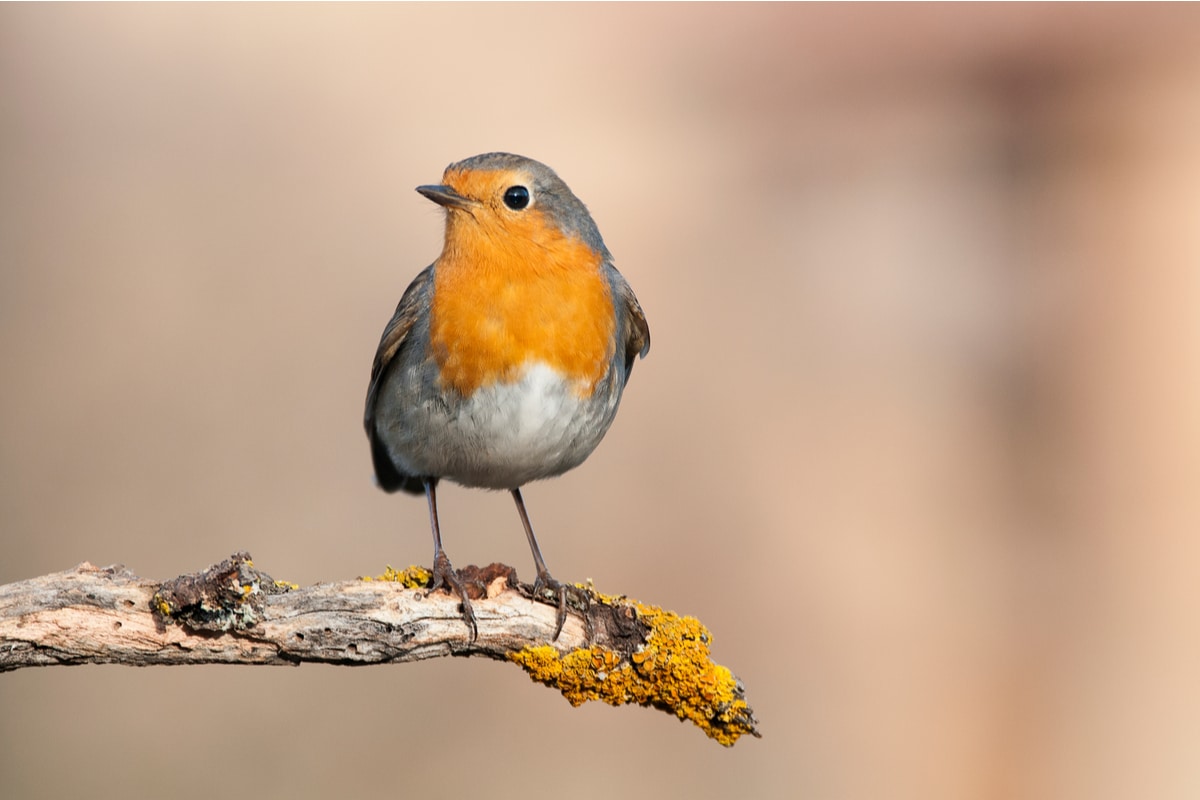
[616, 650]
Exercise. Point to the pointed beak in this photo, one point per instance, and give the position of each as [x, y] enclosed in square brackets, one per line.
[445, 196]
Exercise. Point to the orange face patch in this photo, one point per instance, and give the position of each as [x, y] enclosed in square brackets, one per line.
[510, 288]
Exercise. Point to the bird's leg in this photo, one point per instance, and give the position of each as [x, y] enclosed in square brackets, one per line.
[545, 580]
[444, 575]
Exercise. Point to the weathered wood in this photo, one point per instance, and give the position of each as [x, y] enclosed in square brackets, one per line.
[232, 613]
[105, 615]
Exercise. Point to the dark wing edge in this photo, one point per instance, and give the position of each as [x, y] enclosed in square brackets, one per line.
[395, 336]
[637, 330]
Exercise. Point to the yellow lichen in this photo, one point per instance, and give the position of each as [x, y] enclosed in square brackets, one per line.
[162, 605]
[671, 671]
[287, 586]
[412, 578]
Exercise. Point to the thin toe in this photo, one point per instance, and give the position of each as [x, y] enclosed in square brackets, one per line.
[446, 578]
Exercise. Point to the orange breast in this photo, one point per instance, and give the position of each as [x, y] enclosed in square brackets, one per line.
[504, 296]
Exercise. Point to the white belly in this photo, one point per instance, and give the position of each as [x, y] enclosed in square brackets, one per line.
[505, 435]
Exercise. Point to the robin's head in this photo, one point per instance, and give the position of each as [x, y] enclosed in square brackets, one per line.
[503, 194]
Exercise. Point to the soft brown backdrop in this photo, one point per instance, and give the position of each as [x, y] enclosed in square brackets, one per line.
[917, 438]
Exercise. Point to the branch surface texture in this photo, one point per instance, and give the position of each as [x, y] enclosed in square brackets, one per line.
[616, 650]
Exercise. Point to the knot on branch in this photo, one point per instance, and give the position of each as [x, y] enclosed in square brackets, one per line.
[231, 595]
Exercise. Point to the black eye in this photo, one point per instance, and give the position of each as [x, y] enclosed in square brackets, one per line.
[516, 197]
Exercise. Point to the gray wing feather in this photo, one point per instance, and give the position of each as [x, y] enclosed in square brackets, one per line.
[636, 335]
[395, 337]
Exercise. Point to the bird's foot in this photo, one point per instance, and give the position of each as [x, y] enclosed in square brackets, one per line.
[547, 588]
[445, 577]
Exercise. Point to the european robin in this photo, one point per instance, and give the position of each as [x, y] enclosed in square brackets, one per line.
[506, 358]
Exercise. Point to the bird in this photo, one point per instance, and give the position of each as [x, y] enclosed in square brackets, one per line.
[506, 358]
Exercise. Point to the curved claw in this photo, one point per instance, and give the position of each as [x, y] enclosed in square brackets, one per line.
[545, 582]
[445, 578]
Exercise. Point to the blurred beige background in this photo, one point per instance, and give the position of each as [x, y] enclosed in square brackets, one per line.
[917, 437]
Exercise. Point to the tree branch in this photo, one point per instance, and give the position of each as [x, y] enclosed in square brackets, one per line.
[616, 650]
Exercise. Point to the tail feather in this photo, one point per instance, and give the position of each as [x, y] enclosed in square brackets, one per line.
[391, 479]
